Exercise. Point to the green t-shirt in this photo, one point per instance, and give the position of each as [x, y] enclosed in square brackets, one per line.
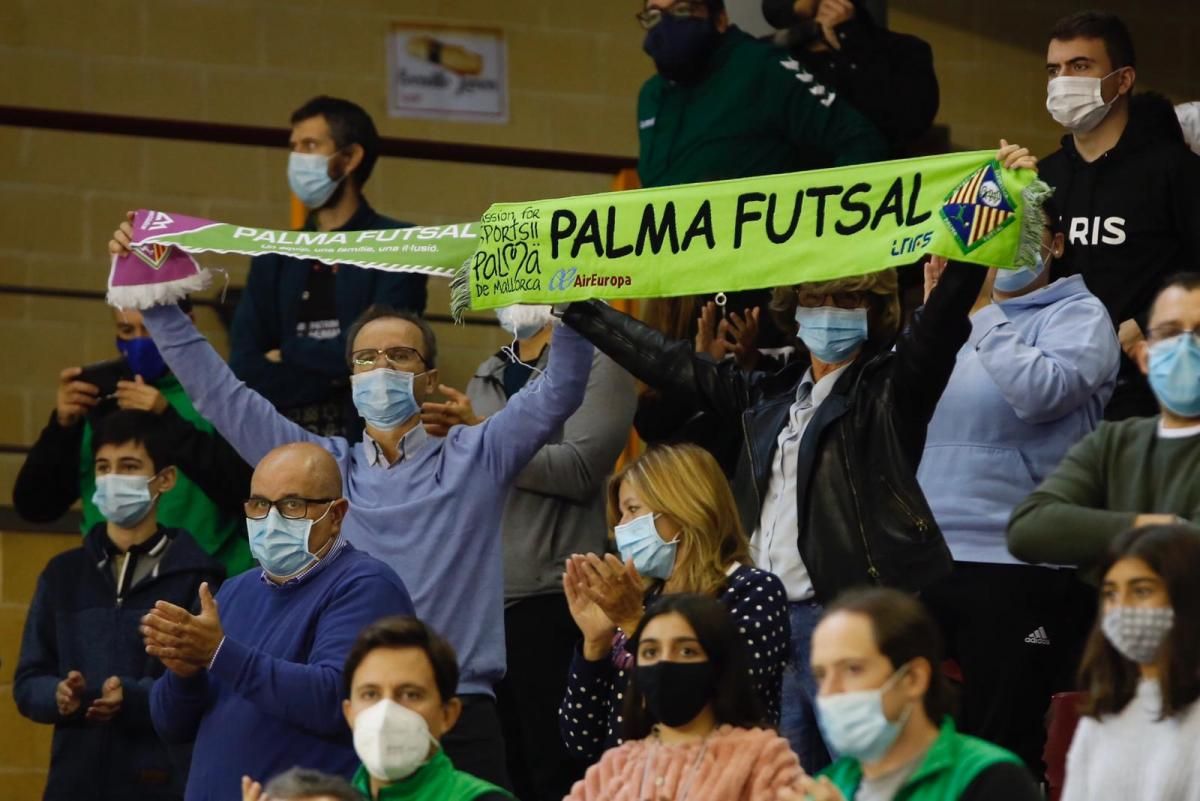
[185, 506]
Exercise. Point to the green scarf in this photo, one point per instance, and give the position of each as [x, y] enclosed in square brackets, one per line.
[748, 233]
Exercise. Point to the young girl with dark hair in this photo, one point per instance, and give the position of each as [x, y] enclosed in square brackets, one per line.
[693, 722]
[1140, 735]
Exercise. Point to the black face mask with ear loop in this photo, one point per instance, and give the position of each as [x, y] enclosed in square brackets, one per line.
[675, 692]
[681, 46]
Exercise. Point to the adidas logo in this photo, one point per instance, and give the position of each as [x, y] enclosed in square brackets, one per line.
[1039, 637]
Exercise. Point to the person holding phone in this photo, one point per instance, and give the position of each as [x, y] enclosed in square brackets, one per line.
[212, 478]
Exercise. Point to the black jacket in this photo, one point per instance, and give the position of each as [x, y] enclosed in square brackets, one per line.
[863, 516]
[48, 481]
[888, 77]
[76, 622]
[1132, 218]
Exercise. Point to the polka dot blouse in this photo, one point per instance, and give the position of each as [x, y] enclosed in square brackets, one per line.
[590, 715]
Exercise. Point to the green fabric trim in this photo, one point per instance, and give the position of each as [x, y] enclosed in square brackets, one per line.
[949, 767]
[436, 780]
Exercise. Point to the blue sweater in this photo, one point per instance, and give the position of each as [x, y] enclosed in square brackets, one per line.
[273, 696]
[433, 516]
[1031, 381]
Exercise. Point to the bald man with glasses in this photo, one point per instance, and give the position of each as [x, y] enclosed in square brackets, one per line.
[255, 678]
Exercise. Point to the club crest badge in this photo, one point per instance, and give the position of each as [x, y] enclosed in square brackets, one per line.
[978, 208]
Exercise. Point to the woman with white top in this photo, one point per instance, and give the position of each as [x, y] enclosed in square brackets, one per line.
[1140, 734]
[677, 529]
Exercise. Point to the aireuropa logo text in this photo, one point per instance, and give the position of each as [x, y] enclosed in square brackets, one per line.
[570, 278]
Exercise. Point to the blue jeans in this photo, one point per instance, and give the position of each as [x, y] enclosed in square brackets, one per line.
[798, 713]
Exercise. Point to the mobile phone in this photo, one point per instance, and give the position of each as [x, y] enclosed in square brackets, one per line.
[105, 375]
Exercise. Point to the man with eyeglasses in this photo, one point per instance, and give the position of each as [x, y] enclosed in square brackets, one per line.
[724, 105]
[427, 506]
[1136, 472]
[255, 677]
[826, 473]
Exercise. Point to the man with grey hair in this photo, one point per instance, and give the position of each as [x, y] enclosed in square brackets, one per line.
[300, 784]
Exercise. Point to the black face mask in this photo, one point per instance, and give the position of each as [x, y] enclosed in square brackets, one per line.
[675, 692]
[680, 47]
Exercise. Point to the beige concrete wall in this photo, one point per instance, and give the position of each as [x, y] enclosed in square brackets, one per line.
[574, 72]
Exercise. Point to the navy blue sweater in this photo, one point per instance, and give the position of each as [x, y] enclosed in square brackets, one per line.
[269, 308]
[272, 699]
[76, 623]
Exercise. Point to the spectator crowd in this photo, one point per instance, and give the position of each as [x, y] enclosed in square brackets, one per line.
[873, 534]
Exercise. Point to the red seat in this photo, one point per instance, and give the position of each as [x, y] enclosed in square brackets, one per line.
[1062, 719]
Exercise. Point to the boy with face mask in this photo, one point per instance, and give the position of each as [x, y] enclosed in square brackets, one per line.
[211, 479]
[1135, 472]
[400, 683]
[1124, 179]
[82, 667]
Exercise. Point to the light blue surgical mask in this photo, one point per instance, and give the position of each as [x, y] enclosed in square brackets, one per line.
[281, 545]
[855, 725]
[1175, 374]
[832, 334]
[1013, 281]
[308, 176]
[124, 500]
[384, 397]
[638, 540]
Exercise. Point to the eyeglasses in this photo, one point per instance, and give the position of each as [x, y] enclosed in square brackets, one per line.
[397, 358]
[843, 300]
[292, 508]
[682, 9]
[1169, 331]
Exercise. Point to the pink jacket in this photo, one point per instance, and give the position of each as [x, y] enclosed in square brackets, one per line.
[731, 765]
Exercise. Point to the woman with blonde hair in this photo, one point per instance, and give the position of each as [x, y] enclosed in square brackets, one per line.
[677, 529]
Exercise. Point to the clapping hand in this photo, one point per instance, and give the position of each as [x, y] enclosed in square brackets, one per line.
[613, 586]
[730, 335]
[106, 707]
[184, 642]
[69, 693]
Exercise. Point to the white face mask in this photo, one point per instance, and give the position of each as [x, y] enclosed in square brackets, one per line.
[391, 740]
[524, 320]
[1077, 103]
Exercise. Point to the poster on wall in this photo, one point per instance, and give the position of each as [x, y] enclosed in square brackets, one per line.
[447, 73]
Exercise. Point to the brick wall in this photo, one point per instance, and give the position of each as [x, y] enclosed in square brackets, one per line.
[574, 72]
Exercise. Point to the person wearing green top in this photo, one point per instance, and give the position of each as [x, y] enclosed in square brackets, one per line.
[876, 656]
[212, 479]
[724, 105]
[1135, 472]
[400, 682]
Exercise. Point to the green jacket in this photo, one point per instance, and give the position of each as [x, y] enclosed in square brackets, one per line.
[953, 762]
[756, 112]
[1104, 482]
[436, 780]
[186, 506]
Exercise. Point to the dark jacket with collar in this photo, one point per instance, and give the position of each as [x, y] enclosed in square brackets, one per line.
[887, 76]
[312, 370]
[76, 622]
[863, 516]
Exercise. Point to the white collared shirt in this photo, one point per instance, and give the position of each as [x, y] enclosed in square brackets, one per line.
[409, 444]
[774, 544]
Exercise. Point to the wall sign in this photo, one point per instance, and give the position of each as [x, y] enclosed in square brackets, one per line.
[447, 73]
